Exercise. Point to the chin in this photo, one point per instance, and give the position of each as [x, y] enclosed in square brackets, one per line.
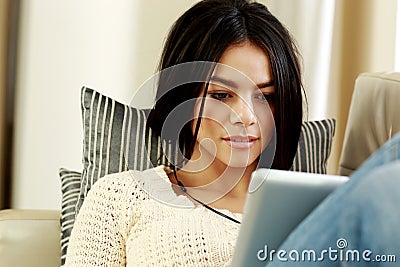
[237, 162]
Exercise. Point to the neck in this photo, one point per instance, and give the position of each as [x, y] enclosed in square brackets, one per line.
[217, 181]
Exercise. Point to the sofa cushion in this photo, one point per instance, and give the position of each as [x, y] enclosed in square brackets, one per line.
[70, 188]
[30, 238]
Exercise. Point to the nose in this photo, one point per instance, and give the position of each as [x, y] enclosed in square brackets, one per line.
[243, 113]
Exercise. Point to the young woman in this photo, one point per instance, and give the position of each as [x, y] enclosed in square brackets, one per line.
[243, 108]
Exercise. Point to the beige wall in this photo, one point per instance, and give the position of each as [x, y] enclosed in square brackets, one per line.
[3, 35]
[364, 41]
[154, 25]
[111, 46]
[358, 36]
[64, 45]
[397, 46]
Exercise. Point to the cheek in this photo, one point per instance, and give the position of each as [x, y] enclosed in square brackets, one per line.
[266, 123]
[213, 110]
[214, 120]
[209, 128]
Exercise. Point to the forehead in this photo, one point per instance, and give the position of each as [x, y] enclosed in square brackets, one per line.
[245, 60]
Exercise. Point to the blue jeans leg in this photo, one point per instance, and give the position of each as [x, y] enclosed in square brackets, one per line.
[360, 217]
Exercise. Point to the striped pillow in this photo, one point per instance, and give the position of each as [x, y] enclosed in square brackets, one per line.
[314, 147]
[116, 139]
[70, 187]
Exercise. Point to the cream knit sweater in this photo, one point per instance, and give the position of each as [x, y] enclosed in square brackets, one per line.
[122, 224]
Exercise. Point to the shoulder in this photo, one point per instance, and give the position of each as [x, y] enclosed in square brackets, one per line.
[131, 188]
[131, 178]
[122, 185]
[114, 183]
[116, 191]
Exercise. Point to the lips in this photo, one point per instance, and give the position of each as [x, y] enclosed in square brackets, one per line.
[240, 142]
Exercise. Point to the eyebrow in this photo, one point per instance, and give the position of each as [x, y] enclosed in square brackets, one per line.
[232, 84]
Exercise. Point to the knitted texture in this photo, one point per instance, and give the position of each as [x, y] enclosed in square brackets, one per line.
[121, 224]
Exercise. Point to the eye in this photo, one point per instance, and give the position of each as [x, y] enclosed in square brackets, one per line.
[222, 96]
[266, 97]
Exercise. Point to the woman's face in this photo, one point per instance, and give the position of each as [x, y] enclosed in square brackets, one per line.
[237, 122]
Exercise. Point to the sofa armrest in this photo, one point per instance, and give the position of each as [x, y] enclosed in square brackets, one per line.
[373, 118]
[30, 238]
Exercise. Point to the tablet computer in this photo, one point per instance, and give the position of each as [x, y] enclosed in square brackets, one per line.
[277, 202]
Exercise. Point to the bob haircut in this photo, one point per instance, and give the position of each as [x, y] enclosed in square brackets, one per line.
[203, 33]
